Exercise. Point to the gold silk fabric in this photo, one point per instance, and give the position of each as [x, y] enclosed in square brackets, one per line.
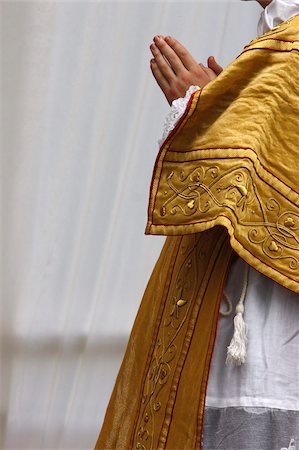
[226, 178]
[233, 159]
[159, 395]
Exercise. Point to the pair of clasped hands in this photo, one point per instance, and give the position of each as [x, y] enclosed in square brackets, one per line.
[175, 69]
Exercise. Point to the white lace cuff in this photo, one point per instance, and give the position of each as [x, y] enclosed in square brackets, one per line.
[177, 109]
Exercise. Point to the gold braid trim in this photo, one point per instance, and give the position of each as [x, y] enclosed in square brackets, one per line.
[233, 159]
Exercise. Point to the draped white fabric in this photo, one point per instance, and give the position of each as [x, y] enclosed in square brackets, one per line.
[81, 119]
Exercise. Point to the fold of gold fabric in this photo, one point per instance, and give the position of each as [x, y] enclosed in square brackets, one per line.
[226, 177]
[159, 394]
[232, 160]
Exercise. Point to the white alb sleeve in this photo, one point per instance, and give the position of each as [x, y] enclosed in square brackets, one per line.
[177, 109]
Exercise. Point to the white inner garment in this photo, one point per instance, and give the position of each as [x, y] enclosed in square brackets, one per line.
[176, 111]
[278, 11]
[269, 377]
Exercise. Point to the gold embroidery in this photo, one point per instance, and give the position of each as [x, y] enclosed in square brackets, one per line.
[289, 222]
[276, 236]
[213, 190]
[273, 246]
[166, 352]
[191, 204]
[181, 302]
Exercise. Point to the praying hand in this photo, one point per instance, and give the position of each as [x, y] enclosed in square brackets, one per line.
[175, 69]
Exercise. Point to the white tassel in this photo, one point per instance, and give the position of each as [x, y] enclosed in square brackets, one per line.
[292, 445]
[236, 351]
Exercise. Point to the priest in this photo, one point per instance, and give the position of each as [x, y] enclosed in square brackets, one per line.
[225, 193]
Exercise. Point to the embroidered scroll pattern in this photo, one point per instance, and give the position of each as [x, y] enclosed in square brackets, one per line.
[167, 349]
[210, 191]
[282, 235]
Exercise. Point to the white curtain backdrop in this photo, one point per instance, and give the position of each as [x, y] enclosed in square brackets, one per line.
[81, 116]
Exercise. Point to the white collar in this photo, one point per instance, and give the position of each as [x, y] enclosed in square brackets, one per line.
[276, 12]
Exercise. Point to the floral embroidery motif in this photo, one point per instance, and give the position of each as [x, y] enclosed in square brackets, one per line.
[166, 351]
[209, 190]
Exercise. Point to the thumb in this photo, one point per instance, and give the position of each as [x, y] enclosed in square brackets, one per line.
[212, 64]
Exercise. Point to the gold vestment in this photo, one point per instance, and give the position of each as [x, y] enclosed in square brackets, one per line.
[225, 179]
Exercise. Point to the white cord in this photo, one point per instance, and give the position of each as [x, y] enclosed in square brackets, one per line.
[236, 351]
[229, 306]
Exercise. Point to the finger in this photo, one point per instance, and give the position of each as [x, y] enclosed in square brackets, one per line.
[214, 65]
[204, 68]
[162, 64]
[168, 53]
[210, 73]
[162, 82]
[184, 55]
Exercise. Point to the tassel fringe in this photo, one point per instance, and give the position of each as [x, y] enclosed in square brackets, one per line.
[236, 351]
[292, 445]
